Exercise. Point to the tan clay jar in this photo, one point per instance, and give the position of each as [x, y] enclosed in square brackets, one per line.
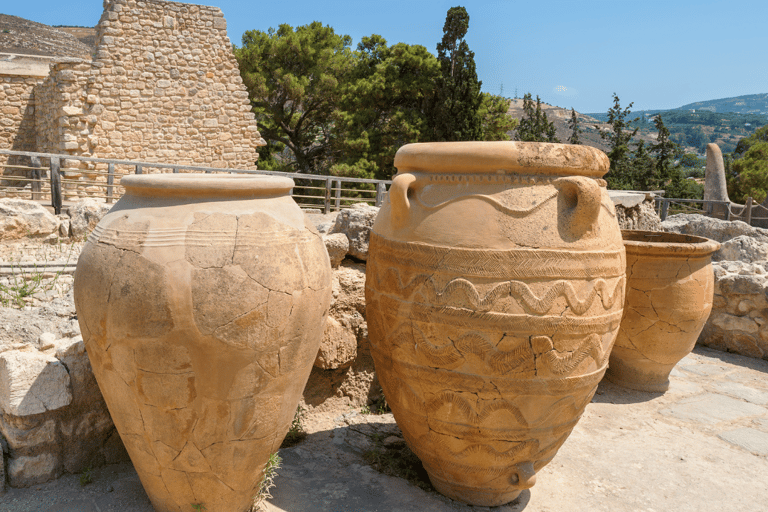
[495, 285]
[670, 286]
[202, 301]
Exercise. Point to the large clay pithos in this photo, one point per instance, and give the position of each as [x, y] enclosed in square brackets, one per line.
[670, 286]
[202, 302]
[495, 285]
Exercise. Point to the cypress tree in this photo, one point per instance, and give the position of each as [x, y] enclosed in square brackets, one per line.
[453, 113]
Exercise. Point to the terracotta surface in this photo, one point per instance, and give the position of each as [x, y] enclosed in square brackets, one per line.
[495, 285]
[670, 286]
[202, 301]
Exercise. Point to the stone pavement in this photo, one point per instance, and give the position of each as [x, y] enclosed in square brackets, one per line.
[703, 445]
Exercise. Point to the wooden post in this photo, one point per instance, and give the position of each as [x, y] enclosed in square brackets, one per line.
[175, 170]
[748, 211]
[381, 189]
[327, 204]
[37, 175]
[110, 181]
[664, 208]
[56, 184]
[139, 169]
[727, 211]
[338, 195]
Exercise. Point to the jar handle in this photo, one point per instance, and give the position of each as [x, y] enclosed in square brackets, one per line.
[398, 197]
[581, 199]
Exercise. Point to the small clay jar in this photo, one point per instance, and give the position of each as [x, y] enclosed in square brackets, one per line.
[494, 291]
[202, 302]
[670, 286]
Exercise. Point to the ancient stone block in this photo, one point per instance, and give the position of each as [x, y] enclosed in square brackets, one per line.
[32, 383]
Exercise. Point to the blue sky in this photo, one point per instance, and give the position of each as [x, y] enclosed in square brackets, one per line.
[657, 54]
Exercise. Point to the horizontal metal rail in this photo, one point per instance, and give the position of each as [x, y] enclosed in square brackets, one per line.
[330, 195]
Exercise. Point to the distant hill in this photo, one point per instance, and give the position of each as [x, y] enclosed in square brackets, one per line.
[724, 121]
[21, 36]
[750, 104]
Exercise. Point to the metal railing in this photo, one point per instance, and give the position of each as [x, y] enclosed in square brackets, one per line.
[751, 213]
[45, 176]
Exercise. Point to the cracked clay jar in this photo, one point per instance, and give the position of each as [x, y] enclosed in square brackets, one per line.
[202, 301]
[670, 287]
[494, 291]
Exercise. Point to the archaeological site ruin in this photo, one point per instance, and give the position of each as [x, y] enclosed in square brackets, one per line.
[491, 327]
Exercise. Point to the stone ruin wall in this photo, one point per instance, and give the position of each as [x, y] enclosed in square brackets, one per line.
[164, 87]
[17, 108]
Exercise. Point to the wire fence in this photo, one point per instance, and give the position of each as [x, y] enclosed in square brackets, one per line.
[42, 176]
[752, 213]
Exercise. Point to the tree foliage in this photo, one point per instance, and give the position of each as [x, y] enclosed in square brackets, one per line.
[496, 124]
[381, 106]
[619, 176]
[453, 112]
[325, 108]
[573, 124]
[294, 80]
[534, 125]
[750, 174]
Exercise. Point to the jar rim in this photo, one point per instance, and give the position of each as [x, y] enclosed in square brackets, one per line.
[502, 157]
[666, 243]
[196, 184]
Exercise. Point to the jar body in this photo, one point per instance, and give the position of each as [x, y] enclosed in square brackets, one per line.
[670, 288]
[202, 312]
[493, 297]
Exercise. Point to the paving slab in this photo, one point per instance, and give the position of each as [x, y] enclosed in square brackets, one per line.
[711, 408]
[702, 445]
[752, 440]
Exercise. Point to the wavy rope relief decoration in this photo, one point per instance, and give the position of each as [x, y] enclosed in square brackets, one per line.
[516, 289]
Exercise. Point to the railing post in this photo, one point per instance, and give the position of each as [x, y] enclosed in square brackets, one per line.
[176, 170]
[327, 202]
[56, 185]
[338, 195]
[708, 207]
[748, 211]
[37, 175]
[110, 181]
[381, 189]
[727, 211]
[139, 169]
[664, 208]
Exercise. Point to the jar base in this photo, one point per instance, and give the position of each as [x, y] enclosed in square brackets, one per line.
[640, 374]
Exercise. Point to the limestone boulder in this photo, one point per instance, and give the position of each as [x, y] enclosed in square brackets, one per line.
[739, 319]
[338, 348]
[356, 223]
[743, 248]
[84, 216]
[715, 229]
[20, 219]
[635, 211]
[32, 383]
[337, 246]
[323, 222]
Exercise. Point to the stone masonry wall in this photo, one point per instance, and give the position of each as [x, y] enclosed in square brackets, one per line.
[17, 110]
[166, 87]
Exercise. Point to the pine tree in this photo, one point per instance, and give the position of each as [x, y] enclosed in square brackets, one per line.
[573, 124]
[619, 176]
[453, 112]
[534, 126]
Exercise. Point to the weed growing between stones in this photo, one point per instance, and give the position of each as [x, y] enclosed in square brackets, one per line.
[396, 459]
[378, 406]
[267, 481]
[86, 477]
[296, 433]
[24, 283]
[198, 506]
